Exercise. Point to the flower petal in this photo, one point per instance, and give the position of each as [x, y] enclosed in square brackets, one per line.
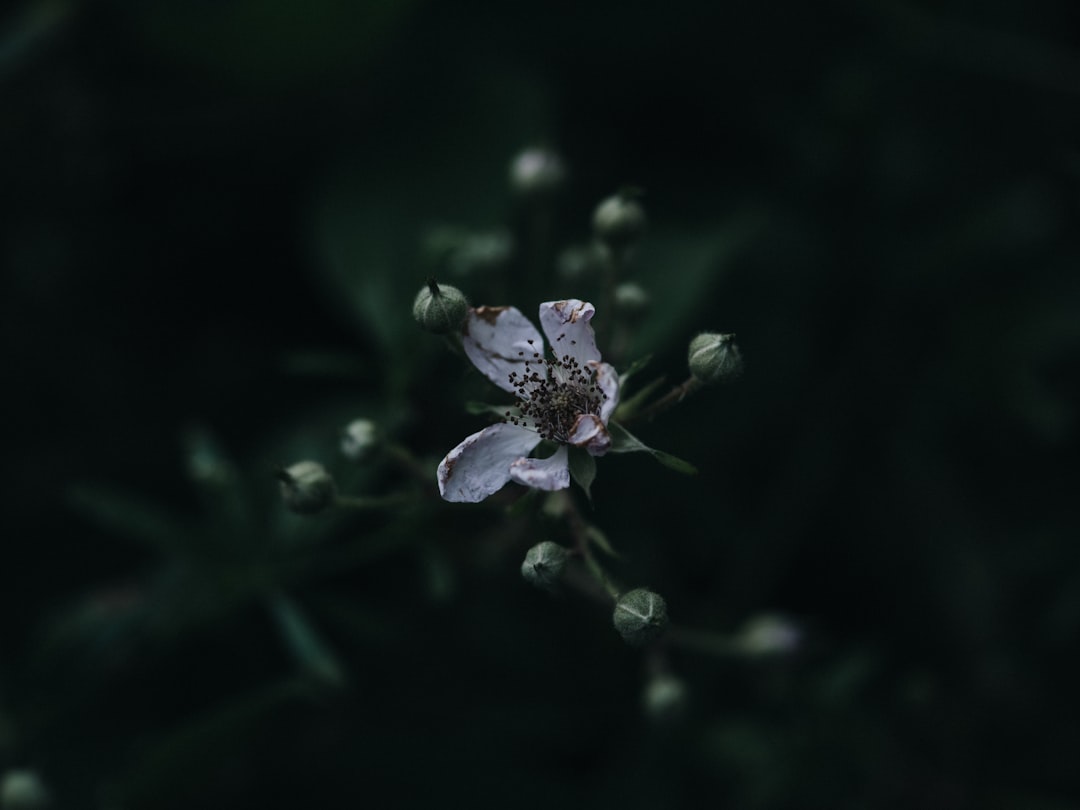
[543, 473]
[566, 324]
[500, 340]
[480, 465]
[607, 379]
[589, 432]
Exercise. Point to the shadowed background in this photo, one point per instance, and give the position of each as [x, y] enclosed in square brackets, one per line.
[213, 220]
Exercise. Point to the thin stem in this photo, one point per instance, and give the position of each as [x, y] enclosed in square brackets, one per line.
[669, 400]
[703, 642]
[404, 459]
[579, 528]
[360, 502]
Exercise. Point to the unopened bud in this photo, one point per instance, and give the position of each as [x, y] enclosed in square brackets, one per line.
[580, 263]
[440, 308]
[714, 358]
[664, 699]
[23, 790]
[640, 616]
[544, 564]
[306, 487]
[536, 173]
[619, 220]
[631, 300]
[359, 438]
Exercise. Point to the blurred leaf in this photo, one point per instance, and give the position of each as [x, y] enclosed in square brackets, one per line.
[698, 258]
[303, 641]
[132, 518]
[272, 42]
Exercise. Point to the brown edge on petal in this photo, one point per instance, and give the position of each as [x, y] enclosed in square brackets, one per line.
[560, 307]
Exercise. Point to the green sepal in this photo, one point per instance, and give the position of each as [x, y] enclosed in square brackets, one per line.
[486, 409]
[582, 469]
[623, 441]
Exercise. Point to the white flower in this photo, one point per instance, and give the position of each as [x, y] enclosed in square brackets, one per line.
[567, 398]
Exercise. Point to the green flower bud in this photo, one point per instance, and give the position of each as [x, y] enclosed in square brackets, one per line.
[306, 487]
[664, 699]
[714, 358]
[631, 300]
[23, 790]
[544, 564]
[359, 439]
[619, 220]
[537, 173]
[440, 308]
[580, 263]
[640, 616]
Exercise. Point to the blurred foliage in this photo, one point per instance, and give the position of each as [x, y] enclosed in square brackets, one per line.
[217, 214]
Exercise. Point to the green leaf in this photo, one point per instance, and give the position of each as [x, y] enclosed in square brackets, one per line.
[582, 469]
[623, 441]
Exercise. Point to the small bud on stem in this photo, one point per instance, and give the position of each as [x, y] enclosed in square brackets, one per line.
[640, 616]
[713, 358]
[440, 309]
[306, 487]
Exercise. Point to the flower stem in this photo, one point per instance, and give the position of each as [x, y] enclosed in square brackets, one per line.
[404, 459]
[579, 528]
[703, 642]
[360, 502]
[669, 400]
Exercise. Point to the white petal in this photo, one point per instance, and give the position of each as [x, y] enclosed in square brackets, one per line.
[500, 340]
[543, 473]
[566, 324]
[607, 380]
[589, 432]
[480, 465]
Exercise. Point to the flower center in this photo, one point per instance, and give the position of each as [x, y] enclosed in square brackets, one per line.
[552, 394]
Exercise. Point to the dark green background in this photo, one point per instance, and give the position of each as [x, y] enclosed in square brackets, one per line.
[198, 200]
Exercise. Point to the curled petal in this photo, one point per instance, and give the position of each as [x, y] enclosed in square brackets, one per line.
[480, 465]
[543, 473]
[589, 432]
[607, 379]
[500, 340]
[566, 324]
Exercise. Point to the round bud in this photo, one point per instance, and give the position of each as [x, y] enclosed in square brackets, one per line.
[23, 790]
[359, 439]
[631, 300]
[619, 220]
[664, 699]
[440, 308]
[536, 173]
[640, 616]
[714, 358]
[544, 564]
[306, 487]
[480, 253]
